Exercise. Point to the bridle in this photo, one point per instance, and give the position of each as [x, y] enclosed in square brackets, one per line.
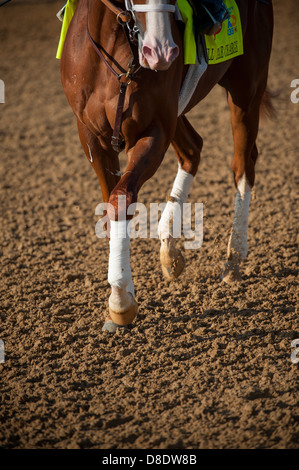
[127, 19]
[146, 8]
[130, 6]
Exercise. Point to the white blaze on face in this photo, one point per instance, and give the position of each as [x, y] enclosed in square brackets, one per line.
[158, 49]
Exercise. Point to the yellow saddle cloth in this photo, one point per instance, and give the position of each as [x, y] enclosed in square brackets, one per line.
[224, 45]
[228, 42]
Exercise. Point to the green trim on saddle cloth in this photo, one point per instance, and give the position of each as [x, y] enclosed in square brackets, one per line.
[189, 42]
[68, 15]
[224, 45]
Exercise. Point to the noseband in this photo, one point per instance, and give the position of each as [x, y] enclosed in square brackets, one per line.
[162, 7]
[125, 18]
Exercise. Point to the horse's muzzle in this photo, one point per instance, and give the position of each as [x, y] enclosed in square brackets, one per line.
[158, 58]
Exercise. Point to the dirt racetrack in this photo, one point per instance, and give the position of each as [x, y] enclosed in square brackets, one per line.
[206, 365]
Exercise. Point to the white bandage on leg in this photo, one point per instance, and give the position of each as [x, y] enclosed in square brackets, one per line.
[182, 185]
[180, 191]
[119, 271]
[238, 241]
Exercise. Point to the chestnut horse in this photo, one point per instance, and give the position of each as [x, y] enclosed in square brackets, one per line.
[99, 45]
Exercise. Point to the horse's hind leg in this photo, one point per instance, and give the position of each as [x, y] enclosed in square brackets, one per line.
[245, 128]
[187, 145]
[246, 81]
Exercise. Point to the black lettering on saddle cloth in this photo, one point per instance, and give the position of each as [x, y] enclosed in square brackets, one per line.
[220, 53]
[211, 53]
[231, 48]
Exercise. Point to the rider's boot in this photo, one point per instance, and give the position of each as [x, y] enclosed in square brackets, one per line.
[211, 14]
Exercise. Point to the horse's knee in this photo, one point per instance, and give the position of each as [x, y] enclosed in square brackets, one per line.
[119, 201]
[190, 164]
[192, 158]
[188, 145]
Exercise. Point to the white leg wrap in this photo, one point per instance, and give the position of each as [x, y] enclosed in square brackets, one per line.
[238, 241]
[119, 271]
[180, 191]
[182, 185]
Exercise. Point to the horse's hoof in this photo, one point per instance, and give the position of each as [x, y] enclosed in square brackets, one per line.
[111, 327]
[231, 273]
[231, 277]
[172, 261]
[125, 315]
[175, 269]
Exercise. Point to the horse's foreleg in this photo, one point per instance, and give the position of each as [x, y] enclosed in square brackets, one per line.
[144, 159]
[106, 165]
[245, 128]
[187, 145]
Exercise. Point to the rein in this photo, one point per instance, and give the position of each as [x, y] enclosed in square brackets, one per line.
[124, 18]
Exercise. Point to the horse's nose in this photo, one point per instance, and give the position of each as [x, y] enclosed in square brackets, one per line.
[173, 53]
[160, 60]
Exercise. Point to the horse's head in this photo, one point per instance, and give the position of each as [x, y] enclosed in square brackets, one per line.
[157, 49]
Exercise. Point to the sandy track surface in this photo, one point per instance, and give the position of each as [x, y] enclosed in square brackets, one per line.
[206, 365]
